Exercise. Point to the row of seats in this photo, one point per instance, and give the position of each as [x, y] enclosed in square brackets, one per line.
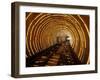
[53, 56]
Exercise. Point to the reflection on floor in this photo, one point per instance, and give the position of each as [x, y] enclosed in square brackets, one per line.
[59, 54]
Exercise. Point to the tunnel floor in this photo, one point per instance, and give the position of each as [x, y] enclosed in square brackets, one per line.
[56, 55]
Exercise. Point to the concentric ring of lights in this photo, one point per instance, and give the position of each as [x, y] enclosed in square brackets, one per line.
[42, 31]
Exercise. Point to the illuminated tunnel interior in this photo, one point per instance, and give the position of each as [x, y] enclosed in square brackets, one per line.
[56, 39]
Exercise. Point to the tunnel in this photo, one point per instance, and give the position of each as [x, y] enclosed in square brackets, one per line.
[56, 39]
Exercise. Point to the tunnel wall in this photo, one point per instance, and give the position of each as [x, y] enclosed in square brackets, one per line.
[42, 30]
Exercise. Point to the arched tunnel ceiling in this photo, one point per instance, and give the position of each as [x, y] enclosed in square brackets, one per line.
[42, 30]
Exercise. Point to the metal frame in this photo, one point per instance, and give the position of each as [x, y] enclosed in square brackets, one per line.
[15, 39]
